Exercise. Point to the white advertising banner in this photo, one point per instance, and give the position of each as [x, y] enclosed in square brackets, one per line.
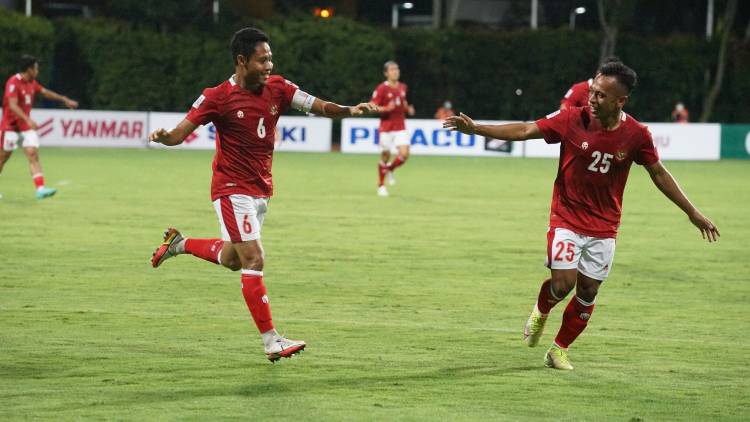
[89, 128]
[302, 134]
[427, 137]
[687, 141]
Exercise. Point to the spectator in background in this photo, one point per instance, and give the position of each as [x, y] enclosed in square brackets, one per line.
[680, 114]
[445, 111]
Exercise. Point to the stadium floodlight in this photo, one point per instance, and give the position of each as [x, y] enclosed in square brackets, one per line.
[394, 11]
[577, 11]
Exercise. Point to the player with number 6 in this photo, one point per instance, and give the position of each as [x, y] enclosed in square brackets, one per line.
[598, 144]
[244, 109]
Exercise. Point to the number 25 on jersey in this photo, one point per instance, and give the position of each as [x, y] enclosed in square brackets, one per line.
[601, 162]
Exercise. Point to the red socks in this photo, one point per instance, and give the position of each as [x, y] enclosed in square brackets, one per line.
[546, 300]
[208, 249]
[38, 180]
[398, 162]
[256, 299]
[382, 171]
[575, 319]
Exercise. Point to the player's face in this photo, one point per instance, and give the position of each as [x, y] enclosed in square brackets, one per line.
[393, 73]
[34, 71]
[257, 68]
[606, 97]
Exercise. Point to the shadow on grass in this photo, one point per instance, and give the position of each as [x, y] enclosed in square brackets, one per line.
[294, 386]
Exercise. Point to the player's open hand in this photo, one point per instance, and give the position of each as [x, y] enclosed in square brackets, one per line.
[361, 108]
[71, 104]
[159, 136]
[461, 123]
[708, 229]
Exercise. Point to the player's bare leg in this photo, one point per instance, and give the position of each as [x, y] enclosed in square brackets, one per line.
[575, 319]
[552, 291]
[385, 156]
[254, 291]
[403, 155]
[4, 156]
[35, 167]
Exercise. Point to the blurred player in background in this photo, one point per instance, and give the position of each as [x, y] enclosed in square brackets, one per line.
[245, 110]
[578, 94]
[390, 100]
[598, 144]
[17, 127]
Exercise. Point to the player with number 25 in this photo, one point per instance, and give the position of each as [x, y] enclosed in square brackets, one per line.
[598, 144]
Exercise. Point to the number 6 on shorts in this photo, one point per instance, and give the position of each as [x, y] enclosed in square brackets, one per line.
[240, 217]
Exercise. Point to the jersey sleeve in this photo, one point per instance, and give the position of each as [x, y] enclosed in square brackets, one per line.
[378, 96]
[554, 126]
[204, 109]
[37, 87]
[11, 90]
[288, 89]
[646, 153]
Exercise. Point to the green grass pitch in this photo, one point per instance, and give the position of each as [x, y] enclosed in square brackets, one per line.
[412, 305]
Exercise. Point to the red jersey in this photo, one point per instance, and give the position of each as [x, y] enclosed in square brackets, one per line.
[577, 95]
[383, 96]
[24, 92]
[245, 128]
[593, 169]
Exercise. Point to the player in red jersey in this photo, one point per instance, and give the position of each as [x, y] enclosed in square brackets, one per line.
[598, 144]
[389, 98]
[577, 95]
[17, 127]
[245, 110]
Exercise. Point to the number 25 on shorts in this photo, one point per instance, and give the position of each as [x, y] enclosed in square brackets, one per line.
[565, 247]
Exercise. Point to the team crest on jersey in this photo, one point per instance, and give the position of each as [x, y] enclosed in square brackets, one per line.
[620, 155]
[274, 109]
[585, 145]
[240, 114]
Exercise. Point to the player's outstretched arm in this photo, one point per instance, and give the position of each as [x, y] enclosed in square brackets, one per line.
[507, 132]
[333, 110]
[174, 136]
[666, 183]
[54, 96]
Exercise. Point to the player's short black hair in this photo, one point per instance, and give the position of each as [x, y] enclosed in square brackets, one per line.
[26, 61]
[624, 75]
[245, 40]
[610, 59]
[388, 63]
